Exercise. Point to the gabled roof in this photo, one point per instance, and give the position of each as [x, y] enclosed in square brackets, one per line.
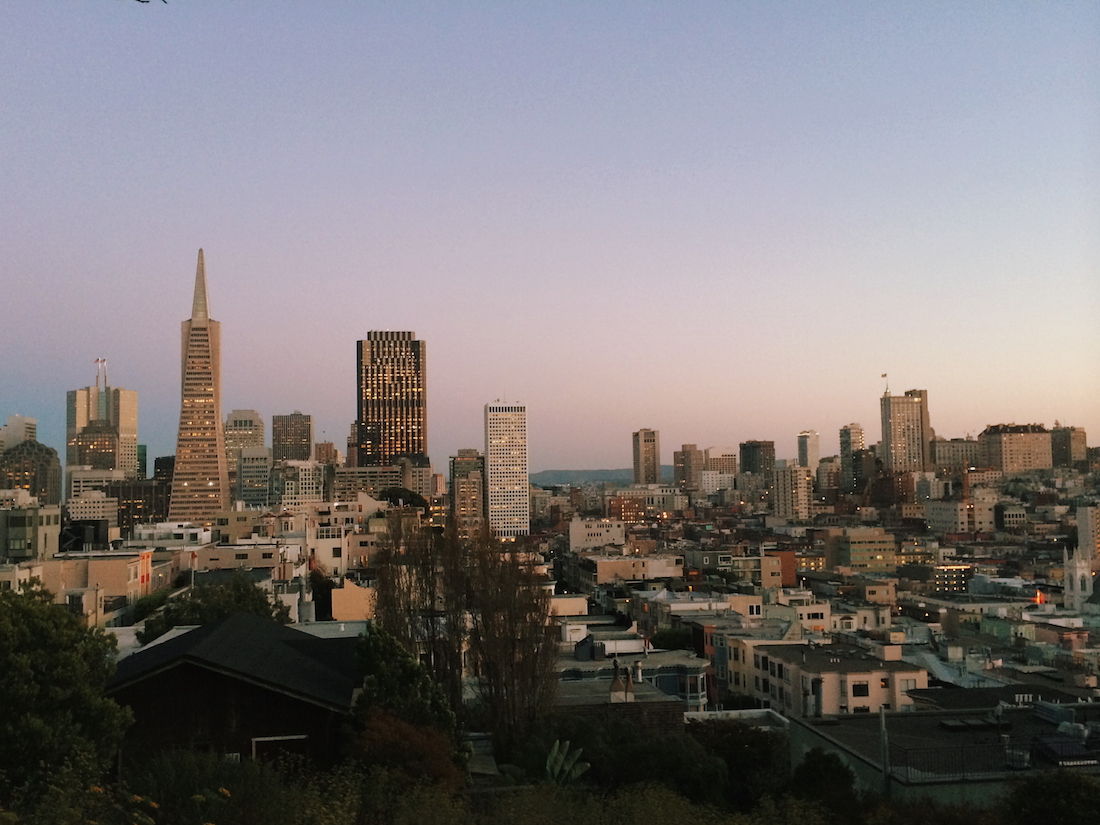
[258, 651]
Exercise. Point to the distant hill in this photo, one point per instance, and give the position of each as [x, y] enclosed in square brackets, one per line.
[553, 478]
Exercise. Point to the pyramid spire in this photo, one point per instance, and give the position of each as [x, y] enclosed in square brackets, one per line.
[199, 309]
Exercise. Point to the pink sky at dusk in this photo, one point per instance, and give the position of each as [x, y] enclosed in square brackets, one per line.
[721, 221]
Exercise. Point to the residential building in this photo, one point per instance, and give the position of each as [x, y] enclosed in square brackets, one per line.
[863, 550]
[791, 491]
[29, 530]
[392, 396]
[811, 681]
[587, 534]
[955, 455]
[292, 437]
[687, 467]
[467, 492]
[1016, 448]
[1088, 531]
[200, 480]
[507, 489]
[647, 457]
[1067, 445]
[906, 431]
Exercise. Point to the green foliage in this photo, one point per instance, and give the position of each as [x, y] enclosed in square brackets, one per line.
[147, 605]
[824, 778]
[678, 638]
[563, 766]
[211, 603]
[395, 682]
[620, 755]
[57, 731]
[757, 760]
[1053, 798]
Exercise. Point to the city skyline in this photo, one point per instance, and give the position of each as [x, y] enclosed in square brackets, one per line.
[621, 238]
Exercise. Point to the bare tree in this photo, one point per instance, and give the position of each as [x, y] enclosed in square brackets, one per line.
[512, 640]
[421, 598]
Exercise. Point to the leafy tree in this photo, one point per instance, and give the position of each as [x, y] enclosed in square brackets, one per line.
[1054, 798]
[823, 777]
[672, 638]
[757, 760]
[399, 496]
[210, 603]
[56, 727]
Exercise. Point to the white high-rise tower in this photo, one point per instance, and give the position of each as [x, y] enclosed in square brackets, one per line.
[507, 488]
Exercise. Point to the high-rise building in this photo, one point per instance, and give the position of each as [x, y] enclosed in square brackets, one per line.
[791, 491]
[393, 413]
[809, 450]
[906, 432]
[243, 428]
[101, 426]
[1088, 532]
[757, 456]
[33, 467]
[720, 460]
[468, 492]
[1016, 448]
[647, 457]
[851, 442]
[292, 437]
[507, 487]
[687, 467]
[200, 479]
[254, 476]
[1067, 445]
[18, 429]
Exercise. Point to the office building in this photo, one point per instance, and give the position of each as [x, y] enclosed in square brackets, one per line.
[757, 456]
[292, 437]
[687, 467]
[906, 432]
[955, 454]
[393, 415]
[101, 426]
[1016, 448]
[809, 450]
[851, 442]
[243, 428]
[18, 429]
[647, 457]
[254, 476]
[507, 487]
[33, 467]
[1088, 532]
[200, 479]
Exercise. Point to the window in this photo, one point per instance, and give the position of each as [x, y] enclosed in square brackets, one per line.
[860, 689]
[755, 610]
[884, 682]
[908, 684]
[241, 557]
[267, 555]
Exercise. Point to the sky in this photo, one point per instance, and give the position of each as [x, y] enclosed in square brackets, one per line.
[724, 221]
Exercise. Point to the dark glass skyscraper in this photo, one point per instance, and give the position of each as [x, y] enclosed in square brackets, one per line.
[393, 414]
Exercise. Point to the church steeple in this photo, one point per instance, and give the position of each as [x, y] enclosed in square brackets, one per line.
[200, 312]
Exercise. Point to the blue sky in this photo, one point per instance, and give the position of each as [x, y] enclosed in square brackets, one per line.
[723, 221]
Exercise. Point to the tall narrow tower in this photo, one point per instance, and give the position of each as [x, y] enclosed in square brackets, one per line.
[200, 482]
[508, 488]
[647, 457]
